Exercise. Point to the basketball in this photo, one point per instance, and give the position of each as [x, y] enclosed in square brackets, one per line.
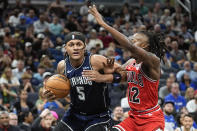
[59, 85]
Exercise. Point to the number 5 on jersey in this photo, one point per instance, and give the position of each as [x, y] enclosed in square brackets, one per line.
[133, 95]
[81, 94]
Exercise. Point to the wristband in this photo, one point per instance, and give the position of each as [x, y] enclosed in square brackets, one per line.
[116, 78]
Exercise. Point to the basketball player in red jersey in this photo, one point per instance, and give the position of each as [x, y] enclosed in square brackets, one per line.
[142, 75]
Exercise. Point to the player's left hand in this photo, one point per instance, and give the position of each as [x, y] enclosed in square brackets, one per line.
[96, 14]
[92, 75]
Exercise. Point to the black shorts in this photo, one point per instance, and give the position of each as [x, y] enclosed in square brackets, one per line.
[75, 122]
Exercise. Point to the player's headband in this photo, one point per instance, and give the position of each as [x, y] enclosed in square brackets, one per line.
[75, 36]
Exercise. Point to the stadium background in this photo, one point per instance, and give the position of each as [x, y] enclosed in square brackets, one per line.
[32, 34]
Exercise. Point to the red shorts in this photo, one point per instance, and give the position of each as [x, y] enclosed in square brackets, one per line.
[153, 121]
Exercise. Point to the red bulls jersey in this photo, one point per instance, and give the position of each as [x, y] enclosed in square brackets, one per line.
[142, 90]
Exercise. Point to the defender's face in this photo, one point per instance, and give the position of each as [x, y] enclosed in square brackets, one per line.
[140, 40]
[75, 49]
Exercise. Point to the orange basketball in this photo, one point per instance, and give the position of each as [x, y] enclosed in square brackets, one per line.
[59, 85]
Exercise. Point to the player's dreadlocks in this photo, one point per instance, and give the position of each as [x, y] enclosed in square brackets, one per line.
[156, 43]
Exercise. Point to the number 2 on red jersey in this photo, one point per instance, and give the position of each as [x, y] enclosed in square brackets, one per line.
[133, 95]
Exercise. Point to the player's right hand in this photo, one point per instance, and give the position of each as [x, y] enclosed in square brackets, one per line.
[48, 95]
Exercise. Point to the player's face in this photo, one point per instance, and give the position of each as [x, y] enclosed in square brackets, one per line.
[140, 40]
[75, 49]
[187, 122]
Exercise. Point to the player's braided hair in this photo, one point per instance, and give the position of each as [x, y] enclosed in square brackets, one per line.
[156, 43]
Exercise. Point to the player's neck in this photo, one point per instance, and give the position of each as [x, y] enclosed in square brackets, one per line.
[76, 63]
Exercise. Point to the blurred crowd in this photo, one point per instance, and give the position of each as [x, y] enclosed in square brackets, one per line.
[31, 45]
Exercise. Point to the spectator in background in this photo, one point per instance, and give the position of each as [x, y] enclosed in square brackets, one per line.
[181, 118]
[26, 82]
[93, 40]
[165, 90]
[14, 18]
[22, 104]
[166, 16]
[192, 53]
[31, 17]
[178, 55]
[41, 101]
[29, 65]
[13, 119]
[29, 52]
[19, 70]
[178, 12]
[7, 95]
[187, 124]
[187, 69]
[8, 84]
[117, 115]
[57, 8]
[189, 94]
[194, 74]
[4, 122]
[157, 28]
[126, 13]
[41, 26]
[143, 8]
[84, 8]
[47, 62]
[157, 10]
[150, 18]
[44, 121]
[46, 44]
[5, 61]
[179, 101]
[18, 55]
[170, 123]
[55, 28]
[9, 40]
[41, 69]
[104, 37]
[186, 34]
[72, 24]
[186, 83]
[127, 30]
[22, 26]
[26, 121]
[168, 6]
[192, 104]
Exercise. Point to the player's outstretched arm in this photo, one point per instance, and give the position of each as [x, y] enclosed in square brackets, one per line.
[118, 76]
[138, 53]
[113, 72]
